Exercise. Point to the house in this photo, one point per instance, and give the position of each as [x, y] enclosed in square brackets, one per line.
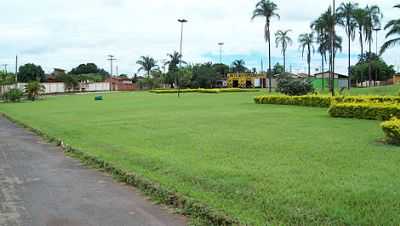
[121, 84]
[321, 80]
[248, 80]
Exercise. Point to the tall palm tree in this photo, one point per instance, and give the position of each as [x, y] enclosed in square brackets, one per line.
[174, 60]
[306, 41]
[348, 22]
[147, 64]
[238, 66]
[267, 9]
[373, 20]
[360, 16]
[283, 40]
[394, 26]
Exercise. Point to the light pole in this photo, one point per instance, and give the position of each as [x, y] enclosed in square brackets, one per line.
[111, 58]
[221, 44]
[182, 22]
[376, 29]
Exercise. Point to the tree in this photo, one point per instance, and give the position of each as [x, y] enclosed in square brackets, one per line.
[267, 9]
[360, 19]
[175, 59]
[222, 70]
[147, 64]
[6, 78]
[34, 89]
[307, 42]
[278, 69]
[394, 30]
[283, 40]
[373, 20]
[238, 66]
[31, 72]
[348, 22]
[359, 72]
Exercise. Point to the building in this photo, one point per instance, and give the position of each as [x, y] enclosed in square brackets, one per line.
[121, 84]
[321, 80]
[248, 80]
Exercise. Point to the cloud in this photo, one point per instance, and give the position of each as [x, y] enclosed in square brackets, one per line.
[60, 33]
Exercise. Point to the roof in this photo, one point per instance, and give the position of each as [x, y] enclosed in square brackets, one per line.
[328, 72]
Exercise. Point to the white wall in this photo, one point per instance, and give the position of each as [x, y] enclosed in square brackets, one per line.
[59, 87]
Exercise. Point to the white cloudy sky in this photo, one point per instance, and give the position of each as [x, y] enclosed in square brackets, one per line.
[65, 33]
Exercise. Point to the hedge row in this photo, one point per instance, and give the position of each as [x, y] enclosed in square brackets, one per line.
[187, 206]
[309, 100]
[391, 129]
[372, 111]
[324, 101]
[232, 90]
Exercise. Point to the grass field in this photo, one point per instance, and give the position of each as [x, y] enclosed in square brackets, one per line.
[258, 163]
[392, 90]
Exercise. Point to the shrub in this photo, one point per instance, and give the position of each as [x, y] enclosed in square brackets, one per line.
[310, 100]
[13, 95]
[34, 89]
[233, 90]
[368, 99]
[391, 129]
[372, 111]
[294, 87]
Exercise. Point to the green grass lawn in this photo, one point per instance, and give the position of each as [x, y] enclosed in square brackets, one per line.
[259, 163]
[392, 90]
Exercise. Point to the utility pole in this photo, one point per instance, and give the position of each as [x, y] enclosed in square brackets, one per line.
[221, 44]
[16, 69]
[111, 58]
[333, 40]
[116, 69]
[182, 22]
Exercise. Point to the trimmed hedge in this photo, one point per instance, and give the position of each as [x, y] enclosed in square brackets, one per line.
[231, 90]
[371, 111]
[391, 129]
[309, 100]
[324, 101]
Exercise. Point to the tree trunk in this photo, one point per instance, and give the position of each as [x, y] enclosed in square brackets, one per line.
[349, 71]
[369, 64]
[284, 61]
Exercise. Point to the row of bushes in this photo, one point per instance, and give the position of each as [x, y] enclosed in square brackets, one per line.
[324, 101]
[231, 90]
[374, 111]
[391, 129]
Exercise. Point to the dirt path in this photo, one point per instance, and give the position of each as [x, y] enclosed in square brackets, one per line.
[39, 186]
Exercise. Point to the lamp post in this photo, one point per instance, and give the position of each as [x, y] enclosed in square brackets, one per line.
[221, 44]
[376, 29]
[182, 22]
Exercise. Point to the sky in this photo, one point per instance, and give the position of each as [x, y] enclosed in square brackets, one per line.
[64, 34]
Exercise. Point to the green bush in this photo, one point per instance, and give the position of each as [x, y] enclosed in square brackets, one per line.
[374, 111]
[368, 99]
[13, 95]
[310, 100]
[294, 87]
[391, 129]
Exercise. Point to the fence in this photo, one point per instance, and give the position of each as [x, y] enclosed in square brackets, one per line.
[59, 87]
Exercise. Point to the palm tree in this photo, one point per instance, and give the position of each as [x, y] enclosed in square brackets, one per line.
[174, 60]
[306, 42]
[147, 64]
[394, 26]
[238, 66]
[373, 20]
[34, 89]
[360, 19]
[283, 40]
[347, 20]
[267, 9]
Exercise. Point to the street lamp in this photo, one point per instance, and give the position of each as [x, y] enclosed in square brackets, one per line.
[182, 22]
[221, 44]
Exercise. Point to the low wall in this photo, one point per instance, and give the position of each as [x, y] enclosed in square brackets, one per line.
[59, 87]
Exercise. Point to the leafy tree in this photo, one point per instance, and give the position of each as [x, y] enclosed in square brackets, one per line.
[394, 30]
[204, 76]
[267, 9]
[71, 82]
[6, 78]
[294, 87]
[306, 42]
[360, 71]
[222, 70]
[147, 64]
[34, 89]
[347, 21]
[31, 72]
[238, 66]
[283, 40]
[278, 69]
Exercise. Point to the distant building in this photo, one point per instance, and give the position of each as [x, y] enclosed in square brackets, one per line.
[321, 80]
[121, 84]
[247, 80]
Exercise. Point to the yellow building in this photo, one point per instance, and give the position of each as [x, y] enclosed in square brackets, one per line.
[246, 80]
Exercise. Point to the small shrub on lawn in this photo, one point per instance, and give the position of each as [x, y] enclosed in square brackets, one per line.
[391, 129]
[310, 100]
[294, 87]
[371, 111]
[13, 95]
